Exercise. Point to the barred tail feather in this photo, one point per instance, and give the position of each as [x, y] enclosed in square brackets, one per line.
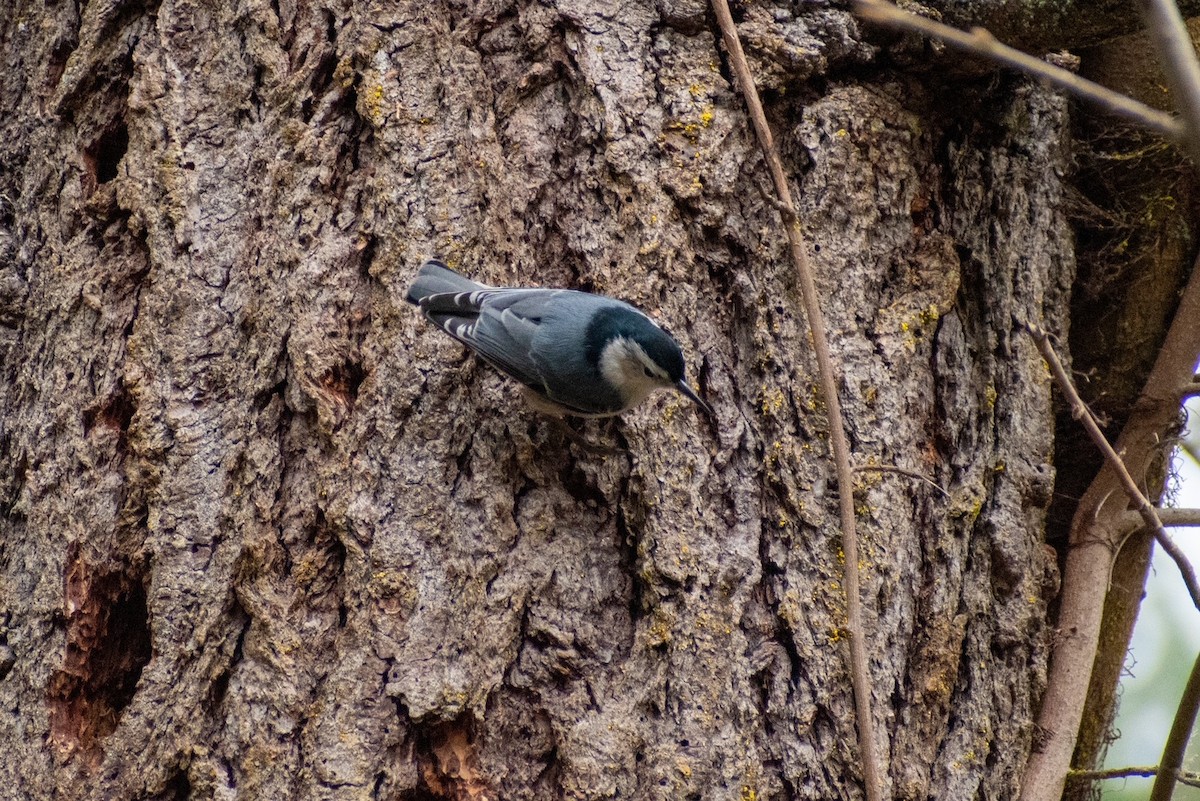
[436, 278]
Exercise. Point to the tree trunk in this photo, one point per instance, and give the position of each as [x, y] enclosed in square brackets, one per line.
[267, 534]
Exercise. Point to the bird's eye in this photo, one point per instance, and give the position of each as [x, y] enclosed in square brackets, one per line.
[649, 373]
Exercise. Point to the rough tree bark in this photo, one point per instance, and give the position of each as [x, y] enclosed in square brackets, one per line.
[267, 535]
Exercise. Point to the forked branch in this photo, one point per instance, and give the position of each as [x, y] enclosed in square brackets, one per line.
[1141, 504]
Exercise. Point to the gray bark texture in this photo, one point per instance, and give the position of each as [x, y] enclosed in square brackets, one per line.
[267, 534]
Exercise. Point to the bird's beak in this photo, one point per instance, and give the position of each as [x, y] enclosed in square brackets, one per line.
[683, 387]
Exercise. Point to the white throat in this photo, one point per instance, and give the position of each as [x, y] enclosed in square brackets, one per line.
[623, 365]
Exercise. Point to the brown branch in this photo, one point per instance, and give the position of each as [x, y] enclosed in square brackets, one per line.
[981, 43]
[859, 668]
[1148, 771]
[1091, 548]
[1144, 508]
[1131, 522]
[1143, 772]
[1191, 389]
[1177, 54]
[1177, 740]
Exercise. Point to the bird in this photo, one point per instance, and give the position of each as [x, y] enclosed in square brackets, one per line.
[574, 353]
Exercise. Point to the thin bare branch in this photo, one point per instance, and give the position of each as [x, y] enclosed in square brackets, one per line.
[887, 468]
[1141, 772]
[1191, 390]
[860, 676]
[1148, 771]
[1143, 506]
[1131, 522]
[982, 43]
[1092, 546]
[1177, 740]
[1173, 45]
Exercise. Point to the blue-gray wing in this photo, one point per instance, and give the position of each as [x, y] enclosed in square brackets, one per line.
[498, 324]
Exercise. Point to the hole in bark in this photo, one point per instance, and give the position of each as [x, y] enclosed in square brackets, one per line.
[366, 258]
[331, 29]
[179, 788]
[263, 398]
[448, 763]
[8, 658]
[103, 155]
[58, 62]
[344, 381]
[115, 412]
[17, 477]
[220, 685]
[627, 541]
[581, 487]
[322, 78]
[108, 645]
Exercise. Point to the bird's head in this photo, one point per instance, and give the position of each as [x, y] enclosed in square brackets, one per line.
[636, 357]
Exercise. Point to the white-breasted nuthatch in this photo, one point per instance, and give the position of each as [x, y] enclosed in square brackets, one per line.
[574, 353]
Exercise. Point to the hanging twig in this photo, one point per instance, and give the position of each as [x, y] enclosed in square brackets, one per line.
[1143, 506]
[859, 672]
[982, 43]
[1177, 740]
[887, 468]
